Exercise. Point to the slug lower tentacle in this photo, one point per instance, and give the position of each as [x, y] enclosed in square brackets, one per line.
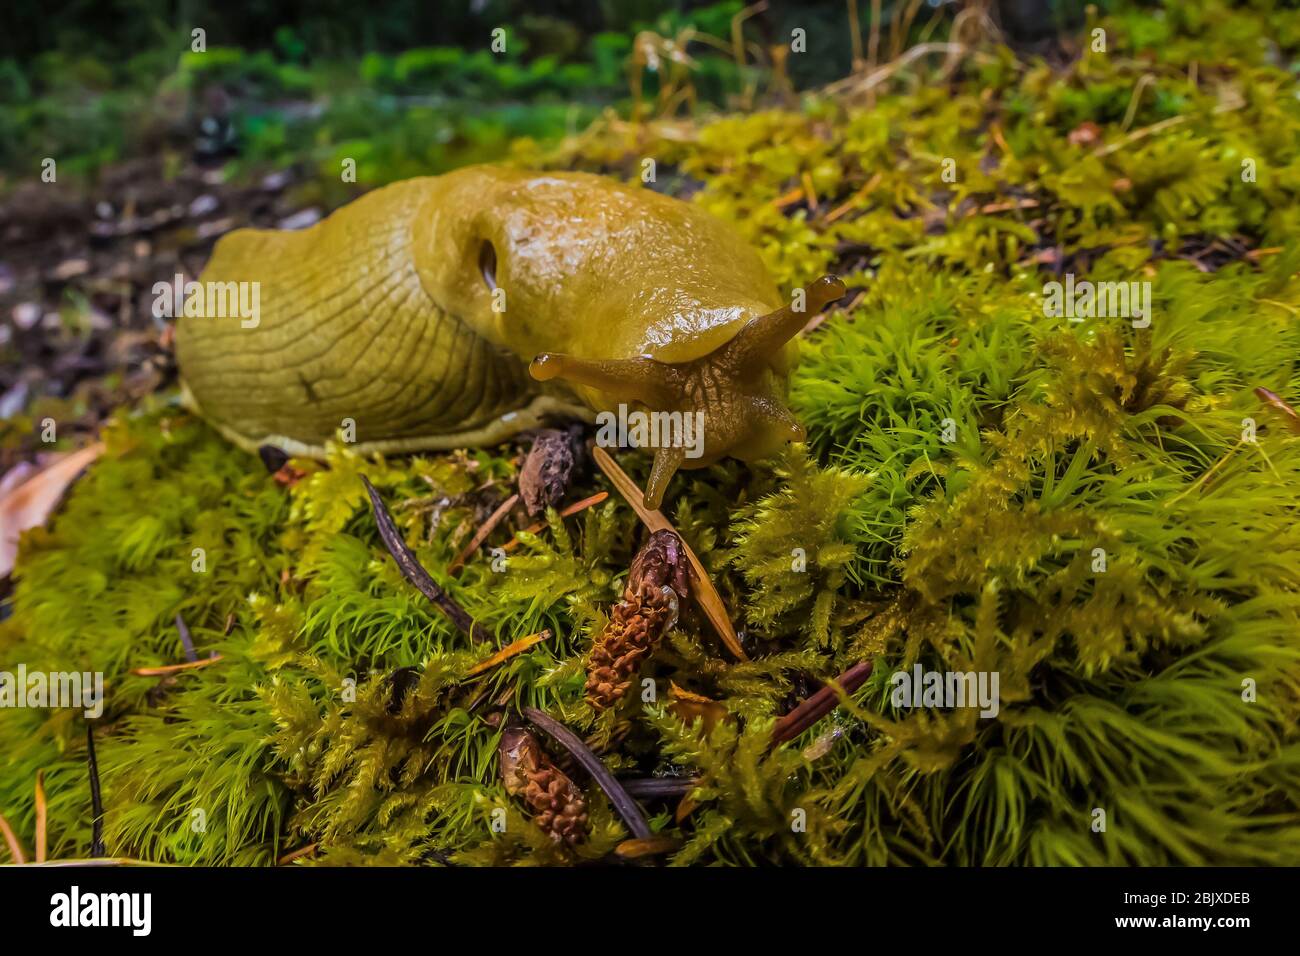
[414, 315]
[731, 389]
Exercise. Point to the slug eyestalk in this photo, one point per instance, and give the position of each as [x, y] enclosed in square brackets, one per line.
[733, 388]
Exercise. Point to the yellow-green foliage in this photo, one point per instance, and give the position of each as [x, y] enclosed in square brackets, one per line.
[1104, 515]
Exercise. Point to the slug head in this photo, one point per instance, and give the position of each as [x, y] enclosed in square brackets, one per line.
[578, 272]
[732, 392]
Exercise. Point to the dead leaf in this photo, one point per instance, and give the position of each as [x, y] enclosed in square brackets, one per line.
[31, 503]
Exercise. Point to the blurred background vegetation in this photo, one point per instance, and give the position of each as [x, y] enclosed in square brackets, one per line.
[403, 88]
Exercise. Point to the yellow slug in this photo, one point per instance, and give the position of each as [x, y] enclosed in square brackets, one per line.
[417, 313]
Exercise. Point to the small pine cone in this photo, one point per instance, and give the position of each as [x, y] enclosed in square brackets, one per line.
[558, 806]
[656, 586]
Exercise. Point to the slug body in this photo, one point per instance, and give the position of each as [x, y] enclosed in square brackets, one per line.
[418, 312]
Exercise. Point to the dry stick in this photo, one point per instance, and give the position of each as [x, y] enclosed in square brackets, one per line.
[852, 201]
[1275, 400]
[738, 32]
[509, 651]
[567, 512]
[636, 849]
[41, 817]
[820, 704]
[667, 788]
[96, 801]
[706, 594]
[788, 199]
[414, 572]
[1146, 80]
[855, 37]
[102, 861]
[166, 669]
[627, 807]
[11, 838]
[873, 38]
[912, 9]
[808, 191]
[482, 533]
[1002, 207]
[302, 851]
[856, 84]
[1142, 133]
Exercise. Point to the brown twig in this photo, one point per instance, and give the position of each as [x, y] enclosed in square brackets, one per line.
[302, 851]
[1276, 401]
[653, 846]
[809, 191]
[706, 595]
[166, 669]
[856, 83]
[509, 651]
[788, 199]
[820, 704]
[42, 817]
[852, 201]
[1002, 207]
[627, 807]
[415, 573]
[482, 533]
[102, 861]
[568, 512]
[16, 851]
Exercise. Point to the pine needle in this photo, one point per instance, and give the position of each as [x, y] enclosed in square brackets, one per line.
[414, 572]
[302, 851]
[567, 512]
[482, 533]
[653, 846]
[1275, 400]
[820, 704]
[41, 817]
[509, 651]
[167, 669]
[706, 594]
[11, 839]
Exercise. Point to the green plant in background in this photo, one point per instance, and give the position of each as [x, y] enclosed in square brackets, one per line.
[1102, 514]
[416, 112]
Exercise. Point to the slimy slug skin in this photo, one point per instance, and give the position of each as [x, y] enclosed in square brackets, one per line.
[460, 309]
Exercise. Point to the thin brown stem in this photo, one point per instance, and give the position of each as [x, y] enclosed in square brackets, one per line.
[482, 533]
[415, 573]
[820, 704]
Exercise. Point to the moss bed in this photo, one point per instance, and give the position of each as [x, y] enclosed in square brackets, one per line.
[1102, 514]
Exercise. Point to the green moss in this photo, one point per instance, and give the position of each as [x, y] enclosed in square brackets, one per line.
[1075, 506]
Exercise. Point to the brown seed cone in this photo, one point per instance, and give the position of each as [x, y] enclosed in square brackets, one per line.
[558, 806]
[656, 587]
